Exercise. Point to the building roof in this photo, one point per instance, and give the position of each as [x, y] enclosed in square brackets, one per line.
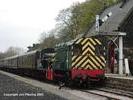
[121, 20]
[118, 17]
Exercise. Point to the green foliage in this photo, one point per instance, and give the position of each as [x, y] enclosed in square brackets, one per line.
[79, 18]
[73, 21]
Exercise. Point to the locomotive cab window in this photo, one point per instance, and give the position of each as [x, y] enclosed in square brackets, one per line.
[44, 63]
[77, 49]
[99, 50]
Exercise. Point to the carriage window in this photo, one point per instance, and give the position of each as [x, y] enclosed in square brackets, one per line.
[77, 49]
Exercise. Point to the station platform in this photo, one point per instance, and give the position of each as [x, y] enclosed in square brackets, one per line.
[124, 77]
[121, 82]
[13, 89]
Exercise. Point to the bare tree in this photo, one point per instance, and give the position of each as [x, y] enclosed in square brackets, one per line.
[11, 51]
[48, 40]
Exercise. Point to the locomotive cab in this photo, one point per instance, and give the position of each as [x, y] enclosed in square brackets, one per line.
[62, 62]
[89, 63]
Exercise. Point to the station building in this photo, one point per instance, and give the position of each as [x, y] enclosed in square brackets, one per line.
[118, 19]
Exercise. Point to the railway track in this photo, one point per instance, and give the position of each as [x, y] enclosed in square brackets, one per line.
[118, 92]
[106, 93]
[99, 94]
[111, 94]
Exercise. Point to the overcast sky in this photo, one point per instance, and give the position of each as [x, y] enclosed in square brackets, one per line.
[22, 21]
